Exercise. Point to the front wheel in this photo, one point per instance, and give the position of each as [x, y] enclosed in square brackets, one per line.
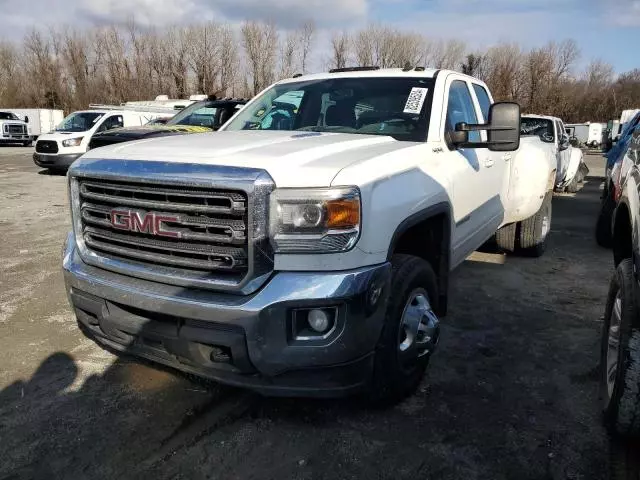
[410, 332]
[620, 355]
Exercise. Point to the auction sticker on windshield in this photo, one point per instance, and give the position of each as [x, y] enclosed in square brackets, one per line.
[416, 100]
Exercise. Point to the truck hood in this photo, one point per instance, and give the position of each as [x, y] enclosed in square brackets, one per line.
[62, 135]
[292, 159]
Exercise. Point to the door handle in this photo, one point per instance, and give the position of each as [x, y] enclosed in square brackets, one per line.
[488, 162]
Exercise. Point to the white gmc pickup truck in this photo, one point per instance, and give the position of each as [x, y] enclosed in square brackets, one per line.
[305, 248]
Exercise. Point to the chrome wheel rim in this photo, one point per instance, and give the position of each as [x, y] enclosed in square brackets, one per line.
[419, 329]
[613, 344]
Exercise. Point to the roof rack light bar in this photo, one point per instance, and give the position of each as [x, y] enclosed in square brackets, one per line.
[353, 69]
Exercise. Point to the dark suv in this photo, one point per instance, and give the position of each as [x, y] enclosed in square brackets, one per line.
[620, 348]
[199, 117]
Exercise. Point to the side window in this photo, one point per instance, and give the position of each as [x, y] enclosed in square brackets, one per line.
[114, 121]
[483, 100]
[460, 108]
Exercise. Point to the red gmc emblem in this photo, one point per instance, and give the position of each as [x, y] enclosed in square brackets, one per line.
[143, 222]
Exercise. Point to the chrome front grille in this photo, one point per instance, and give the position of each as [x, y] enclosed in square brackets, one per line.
[189, 225]
[201, 230]
[15, 129]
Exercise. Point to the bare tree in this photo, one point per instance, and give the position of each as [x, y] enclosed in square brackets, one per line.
[204, 42]
[70, 68]
[288, 49]
[446, 54]
[177, 52]
[10, 75]
[259, 41]
[307, 36]
[363, 46]
[340, 50]
[229, 62]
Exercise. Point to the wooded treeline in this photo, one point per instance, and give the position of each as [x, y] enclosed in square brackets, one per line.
[70, 68]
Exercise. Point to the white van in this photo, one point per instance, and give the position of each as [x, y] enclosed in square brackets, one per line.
[69, 140]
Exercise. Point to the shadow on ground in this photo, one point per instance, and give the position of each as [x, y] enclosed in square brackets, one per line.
[53, 173]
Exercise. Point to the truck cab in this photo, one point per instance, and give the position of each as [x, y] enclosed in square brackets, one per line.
[13, 129]
[552, 132]
[70, 139]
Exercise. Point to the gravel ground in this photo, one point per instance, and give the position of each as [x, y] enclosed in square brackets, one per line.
[511, 393]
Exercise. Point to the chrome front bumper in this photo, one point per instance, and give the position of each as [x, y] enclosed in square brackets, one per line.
[181, 327]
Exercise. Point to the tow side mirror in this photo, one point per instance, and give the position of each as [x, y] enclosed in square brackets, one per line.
[503, 129]
[564, 142]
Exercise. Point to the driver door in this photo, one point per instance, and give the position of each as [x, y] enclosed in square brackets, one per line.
[477, 176]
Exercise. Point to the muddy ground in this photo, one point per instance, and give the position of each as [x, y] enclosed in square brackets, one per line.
[511, 393]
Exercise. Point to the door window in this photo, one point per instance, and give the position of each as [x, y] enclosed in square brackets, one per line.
[460, 109]
[483, 100]
[114, 121]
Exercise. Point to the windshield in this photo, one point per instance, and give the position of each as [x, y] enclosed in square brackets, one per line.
[8, 116]
[197, 114]
[538, 127]
[371, 106]
[79, 122]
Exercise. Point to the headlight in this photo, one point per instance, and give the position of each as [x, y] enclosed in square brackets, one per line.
[318, 220]
[72, 142]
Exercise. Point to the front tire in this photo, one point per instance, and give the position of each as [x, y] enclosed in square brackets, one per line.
[410, 331]
[620, 355]
[534, 231]
[604, 235]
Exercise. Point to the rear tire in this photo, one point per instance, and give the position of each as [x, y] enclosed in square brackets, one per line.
[604, 235]
[403, 352]
[534, 231]
[620, 355]
[506, 238]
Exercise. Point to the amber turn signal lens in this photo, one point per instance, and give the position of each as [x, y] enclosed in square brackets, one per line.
[343, 213]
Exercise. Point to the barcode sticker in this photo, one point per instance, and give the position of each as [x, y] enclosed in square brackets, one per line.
[416, 100]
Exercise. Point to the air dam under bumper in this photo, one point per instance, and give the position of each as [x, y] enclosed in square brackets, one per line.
[55, 161]
[245, 341]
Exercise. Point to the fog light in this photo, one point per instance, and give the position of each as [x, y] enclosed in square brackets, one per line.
[319, 321]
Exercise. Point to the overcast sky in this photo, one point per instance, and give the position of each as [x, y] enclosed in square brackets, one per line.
[606, 29]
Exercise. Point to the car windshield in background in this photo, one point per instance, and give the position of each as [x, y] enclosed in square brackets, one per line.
[538, 127]
[370, 106]
[196, 114]
[79, 122]
[8, 116]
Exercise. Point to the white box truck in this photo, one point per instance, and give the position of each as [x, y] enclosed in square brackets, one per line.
[38, 120]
